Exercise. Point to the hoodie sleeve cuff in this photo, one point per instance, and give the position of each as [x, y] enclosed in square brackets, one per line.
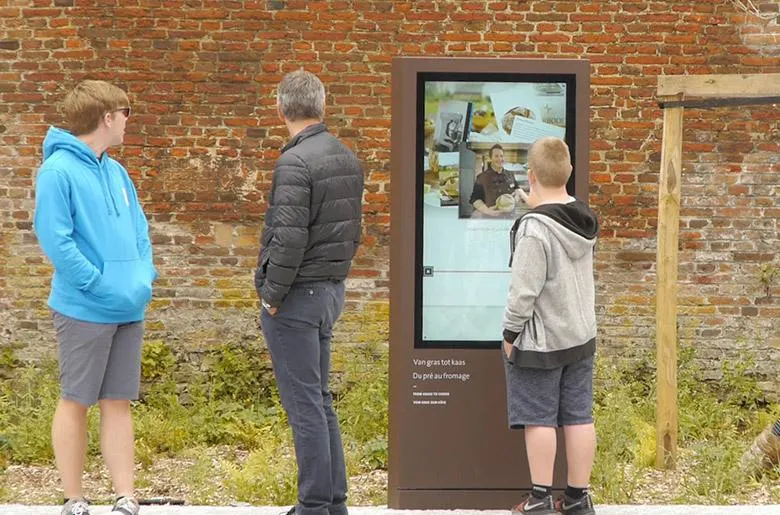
[510, 336]
[269, 295]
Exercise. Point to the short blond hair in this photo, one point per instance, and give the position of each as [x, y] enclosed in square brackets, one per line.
[88, 102]
[550, 161]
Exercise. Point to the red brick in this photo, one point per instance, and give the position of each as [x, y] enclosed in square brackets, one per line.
[205, 137]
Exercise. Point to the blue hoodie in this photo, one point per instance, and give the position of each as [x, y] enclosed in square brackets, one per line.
[90, 225]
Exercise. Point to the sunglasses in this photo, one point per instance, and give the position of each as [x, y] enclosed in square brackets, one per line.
[125, 111]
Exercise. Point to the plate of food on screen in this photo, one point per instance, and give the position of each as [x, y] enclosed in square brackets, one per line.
[508, 120]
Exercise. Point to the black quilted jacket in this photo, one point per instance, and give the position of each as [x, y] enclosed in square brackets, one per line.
[313, 223]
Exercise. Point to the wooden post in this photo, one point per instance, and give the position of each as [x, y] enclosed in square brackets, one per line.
[666, 287]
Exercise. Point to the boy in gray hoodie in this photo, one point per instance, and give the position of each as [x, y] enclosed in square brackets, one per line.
[550, 331]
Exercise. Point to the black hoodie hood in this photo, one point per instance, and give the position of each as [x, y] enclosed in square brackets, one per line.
[574, 216]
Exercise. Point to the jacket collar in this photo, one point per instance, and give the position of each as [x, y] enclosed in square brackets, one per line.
[309, 131]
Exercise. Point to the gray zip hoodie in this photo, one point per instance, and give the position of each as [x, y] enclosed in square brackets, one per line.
[550, 314]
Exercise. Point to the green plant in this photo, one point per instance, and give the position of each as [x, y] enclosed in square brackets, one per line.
[5, 496]
[362, 408]
[622, 413]
[241, 374]
[714, 474]
[157, 361]
[5, 453]
[717, 421]
[766, 276]
[8, 359]
[268, 476]
[739, 387]
[224, 444]
[205, 476]
[27, 402]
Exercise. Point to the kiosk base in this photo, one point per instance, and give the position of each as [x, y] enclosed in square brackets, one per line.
[457, 499]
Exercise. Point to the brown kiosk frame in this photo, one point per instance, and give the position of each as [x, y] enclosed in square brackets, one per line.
[462, 454]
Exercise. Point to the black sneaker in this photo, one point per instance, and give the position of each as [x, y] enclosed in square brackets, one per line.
[531, 504]
[582, 506]
[78, 506]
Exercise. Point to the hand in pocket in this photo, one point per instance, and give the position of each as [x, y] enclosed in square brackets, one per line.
[508, 349]
[125, 285]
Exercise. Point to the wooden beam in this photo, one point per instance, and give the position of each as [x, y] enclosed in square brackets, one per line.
[721, 102]
[666, 288]
[722, 86]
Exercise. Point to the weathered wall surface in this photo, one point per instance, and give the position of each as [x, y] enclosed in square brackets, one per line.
[203, 138]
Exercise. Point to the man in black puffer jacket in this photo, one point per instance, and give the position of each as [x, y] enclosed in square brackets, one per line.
[312, 231]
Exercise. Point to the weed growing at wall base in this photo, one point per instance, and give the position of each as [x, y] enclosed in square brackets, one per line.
[717, 422]
[225, 448]
[233, 405]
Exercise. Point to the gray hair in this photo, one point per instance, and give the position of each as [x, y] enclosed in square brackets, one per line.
[301, 96]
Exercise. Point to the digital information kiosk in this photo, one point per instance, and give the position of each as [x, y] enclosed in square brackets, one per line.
[449, 444]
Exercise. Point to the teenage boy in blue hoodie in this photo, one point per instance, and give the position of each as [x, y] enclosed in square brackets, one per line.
[91, 227]
[550, 332]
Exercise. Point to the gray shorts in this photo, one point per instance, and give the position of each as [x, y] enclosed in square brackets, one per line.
[98, 361]
[557, 397]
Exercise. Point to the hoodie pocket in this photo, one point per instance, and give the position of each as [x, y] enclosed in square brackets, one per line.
[125, 285]
[533, 337]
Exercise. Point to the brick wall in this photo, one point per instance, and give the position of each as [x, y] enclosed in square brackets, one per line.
[201, 144]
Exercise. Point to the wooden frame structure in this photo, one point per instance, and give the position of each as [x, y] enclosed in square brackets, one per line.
[674, 94]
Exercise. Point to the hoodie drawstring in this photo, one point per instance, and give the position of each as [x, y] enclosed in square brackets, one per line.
[107, 193]
[58, 139]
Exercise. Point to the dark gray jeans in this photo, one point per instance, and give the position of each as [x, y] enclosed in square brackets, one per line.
[298, 336]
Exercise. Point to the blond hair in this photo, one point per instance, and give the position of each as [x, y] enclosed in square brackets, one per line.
[550, 161]
[88, 102]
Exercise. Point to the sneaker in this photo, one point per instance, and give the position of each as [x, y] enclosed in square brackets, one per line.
[78, 506]
[531, 504]
[583, 506]
[126, 506]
